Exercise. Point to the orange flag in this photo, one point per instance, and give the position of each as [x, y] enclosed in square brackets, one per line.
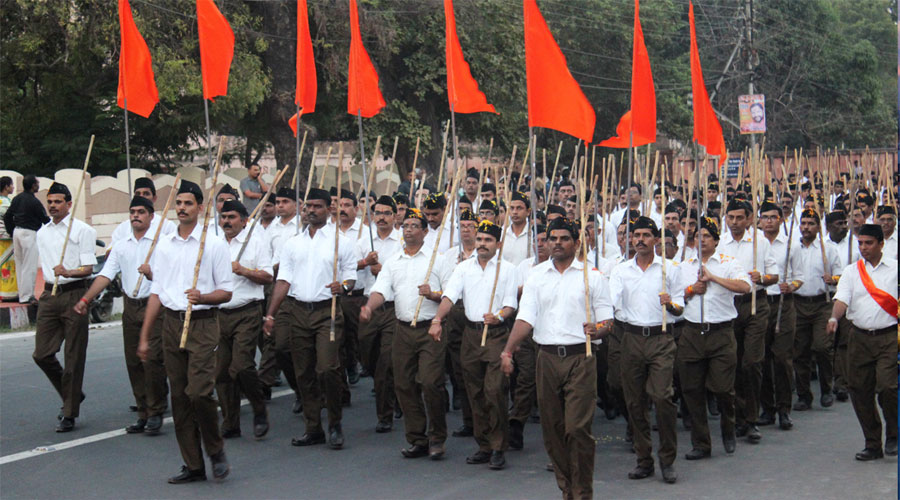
[554, 98]
[305, 95]
[363, 96]
[462, 89]
[641, 118]
[137, 83]
[216, 49]
[707, 130]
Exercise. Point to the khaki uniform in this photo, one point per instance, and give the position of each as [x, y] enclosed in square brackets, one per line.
[237, 364]
[778, 368]
[419, 382]
[148, 378]
[376, 338]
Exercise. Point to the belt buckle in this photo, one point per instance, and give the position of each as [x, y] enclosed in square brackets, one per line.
[181, 315]
[704, 327]
[645, 331]
[308, 306]
[561, 351]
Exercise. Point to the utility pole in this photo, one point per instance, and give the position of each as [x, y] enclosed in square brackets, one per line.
[748, 39]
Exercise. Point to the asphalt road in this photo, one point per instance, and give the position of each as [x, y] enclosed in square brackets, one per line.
[97, 460]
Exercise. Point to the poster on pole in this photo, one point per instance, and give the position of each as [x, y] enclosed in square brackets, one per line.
[753, 113]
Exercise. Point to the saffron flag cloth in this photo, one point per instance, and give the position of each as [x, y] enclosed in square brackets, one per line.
[216, 49]
[707, 129]
[554, 98]
[462, 89]
[363, 95]
[136, 82]
[884, 300]
[305, 95]
[641, 118]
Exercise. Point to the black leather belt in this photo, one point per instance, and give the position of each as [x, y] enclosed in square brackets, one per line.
[644, 331]
[73, 285]
[709, 327]
[385, 306]
[773, 299]
[356, 293]
[563, 350]
[811, 299]
[879, 331]
[419, 324]
[313, 306]
[201, 314]
[479, 325]
[249, 305]
[741, 299]
[136, 302]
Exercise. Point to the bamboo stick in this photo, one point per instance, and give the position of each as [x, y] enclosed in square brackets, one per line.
[337, 235]
[62, 255]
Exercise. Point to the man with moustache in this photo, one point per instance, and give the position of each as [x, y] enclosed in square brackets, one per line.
[147, 379]
[489, 211]
[57, 321]
[143, 187]
[240, 321]
[191, 371]
[433, 208]
[486, 385]
[516, 240]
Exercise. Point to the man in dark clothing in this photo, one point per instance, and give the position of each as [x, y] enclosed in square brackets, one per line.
[24, 217]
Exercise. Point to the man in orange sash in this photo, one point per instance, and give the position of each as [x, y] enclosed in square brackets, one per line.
[867, 293]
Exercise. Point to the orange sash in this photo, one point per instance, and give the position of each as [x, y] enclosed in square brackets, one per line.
[884, 299]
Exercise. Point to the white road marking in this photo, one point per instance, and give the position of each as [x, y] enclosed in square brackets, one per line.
[43, 450]
[23, 335]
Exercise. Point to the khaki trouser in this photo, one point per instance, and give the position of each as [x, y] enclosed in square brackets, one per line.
[375, 353]
[280, 346]
[567, 397]
[525, 394]
[707, 362]
[486, 385]
[812, 344]
[57, 322]
[315, 360]
[349, 352]
[841, 359]
[148, 378]
[750, 333]
[192, 377]
[237, 363]
[419, 375]
[25, 253]
[456, 324]
[614, 373]
[778, 369]
[648, 365]
[268, 365]
[873, 372]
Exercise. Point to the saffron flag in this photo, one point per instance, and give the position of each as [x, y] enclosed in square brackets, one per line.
[305, 96]
[136, 82]
[363, 96]
[554, 98]
[216, 49]
[462, 89]
[707, 130]
[641, 118]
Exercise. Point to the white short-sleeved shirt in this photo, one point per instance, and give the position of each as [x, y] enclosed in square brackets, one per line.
[307, 263]
[400, 278]
[515, 247]
[862, 310]
[123, 230]
[718, 301]
[126, 256]
[553, 302]
[742, 250]
[634, 293]
[79, 250]
[811, 257]
[173, 264]
[279, 232]
[473, 284]
[848, 243]
[385, 248]
[795, 270]
[257, 256]
[431, 237]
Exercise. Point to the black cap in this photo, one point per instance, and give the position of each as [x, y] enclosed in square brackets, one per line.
[140, 201]
[227, 189]
[768, 206]
[710, 225]
[873, 230]
[400, 198]
[645, 223]
[435, 201]
[555, 209]
[809, 214]
[468, 215]
[145, 183]
[672, 208]
[234, 206]
[415, 213]
[191, 188]
[346, 194]
[562, 223]
[837, 215]
[520, 196]
[885, 210]
[60, 188]
[488, 227]
[489, 205]
[632, 215]
[737, 204]
[319, 194]
[387, 201]
[488, 187]
[286, 192]
[472, 174]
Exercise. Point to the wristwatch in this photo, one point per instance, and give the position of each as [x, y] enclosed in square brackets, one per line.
[345, 288]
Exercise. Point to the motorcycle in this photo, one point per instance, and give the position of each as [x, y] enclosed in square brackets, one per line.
[101, 307]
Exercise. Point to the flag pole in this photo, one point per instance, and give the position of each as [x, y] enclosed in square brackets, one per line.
[127, 147]
[296, 181]
[454, 207]
[628, 180]
[362, 158]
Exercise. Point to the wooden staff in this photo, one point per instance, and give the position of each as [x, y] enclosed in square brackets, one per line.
[687, 222]
[325, 168]
[510, 169]
[369, 183]
[299, 159]
[437, 243]
[206, 212]
[605, 193]
[549, 187]
[443, 164]
[162, 221]
[390, 168]
[584, 267]
[662, 187]
[484, 167]
[272, 188]
[62, 255]
[574, 168]
[825, 268]
[337, 235]
[505, 228]
[309, 178]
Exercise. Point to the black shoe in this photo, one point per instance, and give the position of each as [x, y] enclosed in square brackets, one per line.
[231, 433]
[220, 465]
[260, 425]
[841, 395]
[415, 451]
[457, 400]
[741, 430]
[765, 418]
[154, 424]
[353, 373]
[498, 461]
[60, 415]
[436, 451]
[309, 439]
[479, 457]
[267, 393]
[137, 427]
[826, 400]
[696, 454]
[801, 405]
[398, 413]
[729, 443]
[784, 421]
[869, 454]
[668, 473]
[277, 382]
[464, 431]
[550, 467]
[890, 447]
[516, 439]
[298, 405]
[640, 472]
[133, 408]
[384, 426]
[611, 412]
[188, 476]
[67, 424]
[712, 406]
[336, 438]
[753, 435]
